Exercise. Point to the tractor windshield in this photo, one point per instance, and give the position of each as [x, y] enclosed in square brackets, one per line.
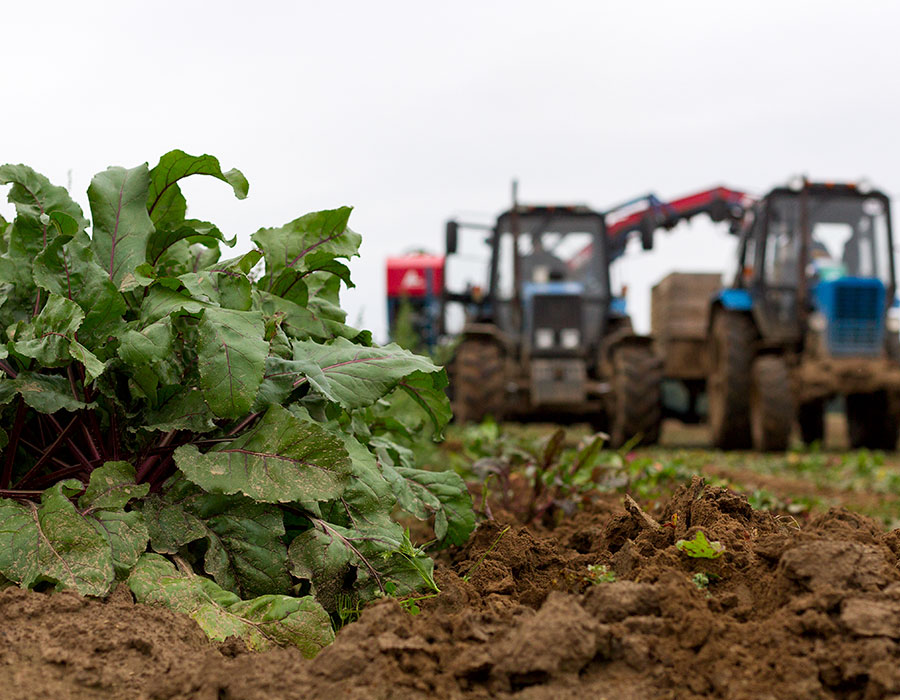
[548, 243]
[849, 237]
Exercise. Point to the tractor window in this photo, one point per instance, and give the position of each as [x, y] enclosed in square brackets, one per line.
[782, 249]
[848, 237]
[552, 247]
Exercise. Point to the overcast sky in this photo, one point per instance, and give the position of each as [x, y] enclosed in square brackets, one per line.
[413, 112]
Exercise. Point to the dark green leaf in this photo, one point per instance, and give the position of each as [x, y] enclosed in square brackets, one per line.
[279, 460]
[68, 268]
[166, 203]
[121, 224]
[319, 232]
[429, 391]
[355, 376]
[244, 554]
[232, 355]
[423, 493]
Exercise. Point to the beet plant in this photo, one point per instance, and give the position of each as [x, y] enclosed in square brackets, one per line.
[209, 430]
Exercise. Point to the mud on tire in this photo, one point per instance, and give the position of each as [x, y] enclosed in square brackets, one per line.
[728, 387]
[636, 408]
[772, 408]
[479, 384]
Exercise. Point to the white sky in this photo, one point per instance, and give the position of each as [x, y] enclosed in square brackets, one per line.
[414, 112]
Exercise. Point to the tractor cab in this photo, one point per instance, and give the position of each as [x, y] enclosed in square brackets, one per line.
[818, 256]
[808, 319]
[546, 339]
[560, 309]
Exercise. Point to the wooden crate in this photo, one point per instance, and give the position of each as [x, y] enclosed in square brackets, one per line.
[679, 319]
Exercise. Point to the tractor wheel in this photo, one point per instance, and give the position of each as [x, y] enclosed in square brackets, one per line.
[811, 417]
[479, 385]
[772, 409]
[637, 396]
[728, 388]
[873, 421]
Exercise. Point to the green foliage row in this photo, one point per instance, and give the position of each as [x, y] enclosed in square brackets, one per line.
[209, 430]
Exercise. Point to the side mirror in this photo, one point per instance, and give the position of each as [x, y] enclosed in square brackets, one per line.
[452, 237]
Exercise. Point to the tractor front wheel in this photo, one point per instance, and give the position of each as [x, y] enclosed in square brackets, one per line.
[728, 387]
[479, 384]
[636, 409]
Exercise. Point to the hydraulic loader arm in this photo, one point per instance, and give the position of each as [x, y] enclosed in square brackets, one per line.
[644, 215]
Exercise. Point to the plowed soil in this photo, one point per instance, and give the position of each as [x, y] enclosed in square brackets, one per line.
[792, 611]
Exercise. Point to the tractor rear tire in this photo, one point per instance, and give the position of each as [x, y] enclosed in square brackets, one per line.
[873, 420]
[772, 410]
[811, 418]
[728, 387]
[637, 396]
[479, 384]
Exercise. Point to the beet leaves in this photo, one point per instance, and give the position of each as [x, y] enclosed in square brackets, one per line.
[217, 437]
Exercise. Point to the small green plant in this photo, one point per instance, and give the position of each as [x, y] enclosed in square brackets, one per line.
[701, 580]
[700, 547]
[599, 573]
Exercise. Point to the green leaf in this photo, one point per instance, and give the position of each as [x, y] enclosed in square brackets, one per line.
[352, 375]
[262, 623]
[166, 203]
[151, 343]
[46, 393]
[429, 391]
[245, 553]
[700, 547]
[162, 301]
[320, 232]
[122, 226]
[304, 323]
[112, 486]
[53, 542]
[281, 459]
[68, 268]
[186, 410]
[443, 494]
[192, 231]
[232, 355]
[48, 338]
[36, 200]
[327, 553]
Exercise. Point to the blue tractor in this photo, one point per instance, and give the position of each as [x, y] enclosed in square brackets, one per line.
[809, 316]
[547, 338]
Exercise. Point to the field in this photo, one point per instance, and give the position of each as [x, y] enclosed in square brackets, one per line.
[564, 595]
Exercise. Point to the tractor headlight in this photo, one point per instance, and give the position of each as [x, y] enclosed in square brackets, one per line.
[570, 338]
[892, 323]
[818, 322]
[543, 338]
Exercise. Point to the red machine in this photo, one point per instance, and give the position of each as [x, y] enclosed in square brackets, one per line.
[416, 281]
[646, 214]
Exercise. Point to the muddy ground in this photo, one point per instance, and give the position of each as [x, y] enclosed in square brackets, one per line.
[793, 610]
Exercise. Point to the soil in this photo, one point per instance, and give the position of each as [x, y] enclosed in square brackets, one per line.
[791, 611]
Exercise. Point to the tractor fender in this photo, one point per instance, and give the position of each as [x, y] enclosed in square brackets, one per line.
[622, 337]
[730, 300]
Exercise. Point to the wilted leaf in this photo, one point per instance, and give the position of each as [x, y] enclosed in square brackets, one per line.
[264, 622]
